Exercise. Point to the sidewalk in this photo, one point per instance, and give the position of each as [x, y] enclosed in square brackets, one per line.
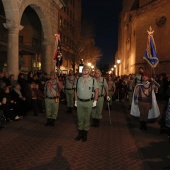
[29, 145]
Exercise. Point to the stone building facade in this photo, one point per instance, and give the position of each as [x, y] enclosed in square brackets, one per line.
[135, 19]
[48, 12]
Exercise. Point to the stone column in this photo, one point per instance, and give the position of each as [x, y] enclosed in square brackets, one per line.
[13, 47]
[47, 61]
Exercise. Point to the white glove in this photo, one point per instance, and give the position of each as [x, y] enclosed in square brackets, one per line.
[75, 104]
[94, 103]
[108, 98]
[4, 100]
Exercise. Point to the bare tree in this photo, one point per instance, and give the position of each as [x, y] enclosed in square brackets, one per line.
[80, 45]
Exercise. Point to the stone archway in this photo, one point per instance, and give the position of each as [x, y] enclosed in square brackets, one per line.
[48, 35]
[14, 11]
[11, 10]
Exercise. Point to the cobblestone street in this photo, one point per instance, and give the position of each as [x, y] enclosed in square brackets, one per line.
[29, 145]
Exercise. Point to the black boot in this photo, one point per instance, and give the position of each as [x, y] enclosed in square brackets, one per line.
[79, 136]
[97, 122]
[143, 125]
[94, 122]
[52, 123]
[48, 122]
[69, 110]
[1, 126]
[84, 139]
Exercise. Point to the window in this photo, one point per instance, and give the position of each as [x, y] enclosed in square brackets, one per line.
[161, 21]
[67, 10]
[60, 21]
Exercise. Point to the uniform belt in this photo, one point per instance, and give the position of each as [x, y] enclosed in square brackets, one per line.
[52, 97]
[101, 95]
[68, 89]
[110, 90]
[84, 100]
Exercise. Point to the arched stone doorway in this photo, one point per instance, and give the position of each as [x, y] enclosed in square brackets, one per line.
[30, 41]
[47, 43]
[14, 11]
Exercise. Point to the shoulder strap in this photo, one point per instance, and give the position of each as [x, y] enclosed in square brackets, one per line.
[92, 96]
[77, 84]
[102, 87]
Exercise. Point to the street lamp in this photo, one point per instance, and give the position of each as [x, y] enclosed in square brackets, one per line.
[118, 63]
[81, 66]
[92, 67]
[89, 64]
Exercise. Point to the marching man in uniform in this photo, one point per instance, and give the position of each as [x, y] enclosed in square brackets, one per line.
[51, 93]
[103, 89]
[111, 89]
[86, 96]
[69, 90]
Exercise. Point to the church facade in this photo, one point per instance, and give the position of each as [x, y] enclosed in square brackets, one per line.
[135, 20]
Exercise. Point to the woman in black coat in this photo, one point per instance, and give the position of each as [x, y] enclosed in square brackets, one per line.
[20, 102]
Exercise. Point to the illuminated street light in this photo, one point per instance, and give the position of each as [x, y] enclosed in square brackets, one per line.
[118, 63]
[89, 64]
[115, 66]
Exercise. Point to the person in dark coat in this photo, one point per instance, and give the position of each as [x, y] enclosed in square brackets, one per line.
[40, 99]
[23, 83]
[6, 80]
[8, 105]
[31, 98]
[17, 96]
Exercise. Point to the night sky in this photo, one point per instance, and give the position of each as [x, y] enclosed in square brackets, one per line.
[104, 16]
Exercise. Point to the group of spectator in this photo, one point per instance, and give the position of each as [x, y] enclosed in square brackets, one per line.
[19, 96]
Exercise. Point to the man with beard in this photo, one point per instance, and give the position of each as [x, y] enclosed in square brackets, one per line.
[144, 103]
[86, 96]
[138, 77]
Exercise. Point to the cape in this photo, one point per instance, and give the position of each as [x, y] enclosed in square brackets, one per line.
[154, 112]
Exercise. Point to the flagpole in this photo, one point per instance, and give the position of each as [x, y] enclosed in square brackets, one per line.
[57, 54]
[150, 55]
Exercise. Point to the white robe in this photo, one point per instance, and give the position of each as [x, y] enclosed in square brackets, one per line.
[154, 112]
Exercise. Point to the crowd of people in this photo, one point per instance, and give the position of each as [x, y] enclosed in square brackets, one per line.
[39, 92]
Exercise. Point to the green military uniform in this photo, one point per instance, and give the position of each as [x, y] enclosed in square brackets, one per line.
[69, 90]
[85, 92]
[97, 112]
[51, 101]
[111, 90]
